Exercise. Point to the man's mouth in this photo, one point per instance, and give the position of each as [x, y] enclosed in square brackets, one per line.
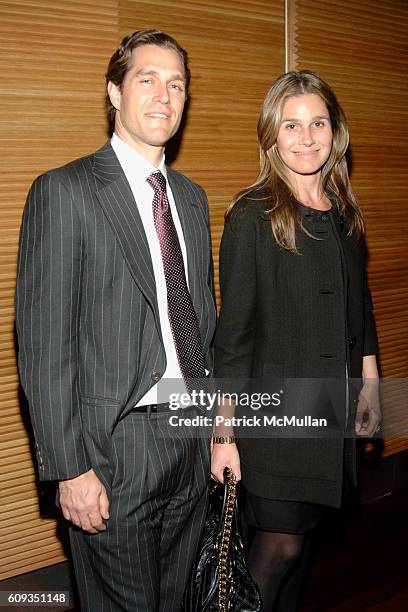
[158, 115]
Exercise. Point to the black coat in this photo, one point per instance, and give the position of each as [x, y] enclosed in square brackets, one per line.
[305, 316]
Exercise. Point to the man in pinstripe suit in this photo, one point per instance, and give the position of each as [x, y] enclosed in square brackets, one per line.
[96, 335]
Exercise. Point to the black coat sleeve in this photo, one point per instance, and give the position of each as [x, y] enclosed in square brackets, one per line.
[235, 337]
[370, 333]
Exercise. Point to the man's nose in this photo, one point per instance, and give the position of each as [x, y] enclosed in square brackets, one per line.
[162, 93]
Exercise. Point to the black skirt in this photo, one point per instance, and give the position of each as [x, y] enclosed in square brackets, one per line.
[281, 516]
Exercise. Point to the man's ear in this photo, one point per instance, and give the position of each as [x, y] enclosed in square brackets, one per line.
[114, 95]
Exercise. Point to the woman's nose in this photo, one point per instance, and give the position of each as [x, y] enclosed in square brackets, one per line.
[306, 136]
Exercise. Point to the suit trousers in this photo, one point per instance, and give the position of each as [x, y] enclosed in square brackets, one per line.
[158, 502]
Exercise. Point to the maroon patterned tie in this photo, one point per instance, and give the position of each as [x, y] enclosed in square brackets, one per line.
[182, 316]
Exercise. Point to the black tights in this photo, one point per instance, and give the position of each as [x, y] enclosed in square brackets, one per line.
[278, 563]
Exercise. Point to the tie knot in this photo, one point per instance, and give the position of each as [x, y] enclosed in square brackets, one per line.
[157, 181]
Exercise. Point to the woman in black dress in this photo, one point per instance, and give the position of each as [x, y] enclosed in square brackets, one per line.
[296, 312]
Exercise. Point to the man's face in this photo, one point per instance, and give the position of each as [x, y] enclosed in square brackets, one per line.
[150, 103]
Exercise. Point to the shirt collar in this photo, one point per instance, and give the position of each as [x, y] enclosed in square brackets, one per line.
[133, 162]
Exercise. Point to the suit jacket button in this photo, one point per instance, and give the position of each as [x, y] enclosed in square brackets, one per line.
[324, 217]
[156, 376]
[352, 342]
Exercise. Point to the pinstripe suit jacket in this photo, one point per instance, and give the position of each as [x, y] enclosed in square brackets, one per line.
[90, 343]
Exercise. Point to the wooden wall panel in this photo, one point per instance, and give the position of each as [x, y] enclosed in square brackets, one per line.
[236, 50]
[361, 49]
[53, 58]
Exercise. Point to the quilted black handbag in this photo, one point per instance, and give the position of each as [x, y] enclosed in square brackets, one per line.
[220, 580]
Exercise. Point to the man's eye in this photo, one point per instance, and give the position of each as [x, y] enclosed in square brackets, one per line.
[176, 86]
[319, 123]
[290, 126]
[146, 81]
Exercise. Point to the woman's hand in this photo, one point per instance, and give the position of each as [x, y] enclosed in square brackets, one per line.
[368, 416]
[222, 456]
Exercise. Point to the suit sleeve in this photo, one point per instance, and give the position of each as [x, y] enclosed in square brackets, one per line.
[235, 337]
[210, 276]
[209, 356]
[47, 319]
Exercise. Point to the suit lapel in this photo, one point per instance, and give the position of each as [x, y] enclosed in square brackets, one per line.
[116, 198]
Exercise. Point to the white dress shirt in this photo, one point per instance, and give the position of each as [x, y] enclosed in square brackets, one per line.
[137, 169]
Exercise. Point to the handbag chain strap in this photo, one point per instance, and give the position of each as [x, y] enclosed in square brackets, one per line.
[226, 582]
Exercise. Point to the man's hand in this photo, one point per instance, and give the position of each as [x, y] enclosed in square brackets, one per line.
[368, 416]
[84, 502]
[225, 455]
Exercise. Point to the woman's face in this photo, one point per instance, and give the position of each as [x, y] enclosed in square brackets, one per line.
[305, 136]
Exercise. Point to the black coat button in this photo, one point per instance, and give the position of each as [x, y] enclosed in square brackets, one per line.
[352, 342]
[324, 217]
[156, 376]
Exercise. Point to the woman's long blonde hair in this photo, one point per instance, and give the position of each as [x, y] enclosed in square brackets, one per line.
[272, 182]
